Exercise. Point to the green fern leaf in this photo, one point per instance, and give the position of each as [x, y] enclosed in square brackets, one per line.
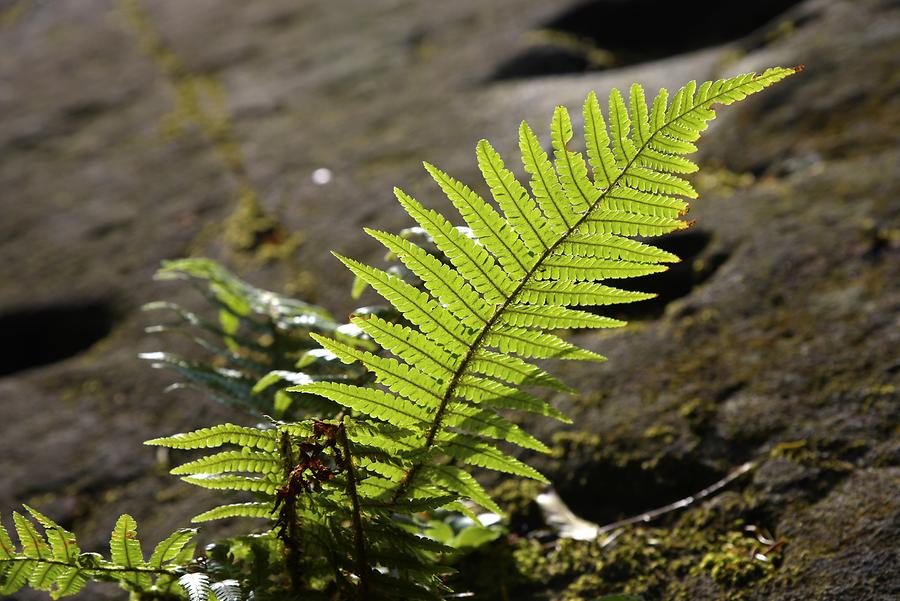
[557, 293]
[16, 575]
[62, 542]
[512, 369]
[125, 550]
[196, 586]
[232, 482]
[227, 590]
[551, 318]
[573, 174]
[491, 298]
[33, 544]
[444, 283]
[611, 247]
[544, 184]
[579, 269]
[244, 460]
[475, 452]
[654, 205]
[395, 375]
[236, 510]
[416, 306]
[533, 344]
[206, 438]
[7, 549]
[491, 230]
[602, 161]
[629, 224]
[374, 403]
[409, 344]
[67, 582]
[471, 259]
[494, 394]
[462, 483]
[487, 423]
[172, 549]
[522, 213]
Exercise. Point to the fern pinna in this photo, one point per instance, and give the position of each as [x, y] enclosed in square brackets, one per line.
[345, 495]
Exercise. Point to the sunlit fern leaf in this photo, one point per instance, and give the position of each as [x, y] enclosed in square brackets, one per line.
[235, 510]
[227, 590]
[245, 460]
[229, 481]
[62, 542]
[175, 548]
[125, 550]
[216, 436]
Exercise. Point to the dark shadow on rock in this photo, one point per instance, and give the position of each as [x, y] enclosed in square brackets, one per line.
[38, 336]
[603, 34]
[697, 265]
[610, 489]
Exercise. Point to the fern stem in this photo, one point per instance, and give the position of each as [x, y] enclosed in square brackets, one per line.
[362, 564]
[103, 569]
[460, 371]
[290, 533]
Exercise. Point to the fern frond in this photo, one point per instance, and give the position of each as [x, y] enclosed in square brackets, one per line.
[611, 247]
[544, 183]
[552, 318]
[522, 213]
[227, 590]
[430, 390]
[491, 230]
[491, 300]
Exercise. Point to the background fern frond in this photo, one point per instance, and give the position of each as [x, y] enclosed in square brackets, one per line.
[258, 345]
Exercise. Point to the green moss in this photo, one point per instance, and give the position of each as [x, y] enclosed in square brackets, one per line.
[253, 231]
[812, 454]
[200, 108]
[707, 544]
[735, 565]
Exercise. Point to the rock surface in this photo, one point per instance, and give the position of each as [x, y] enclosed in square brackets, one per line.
[780, 349]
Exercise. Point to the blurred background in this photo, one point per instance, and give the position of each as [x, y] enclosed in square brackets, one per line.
[265, 133]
